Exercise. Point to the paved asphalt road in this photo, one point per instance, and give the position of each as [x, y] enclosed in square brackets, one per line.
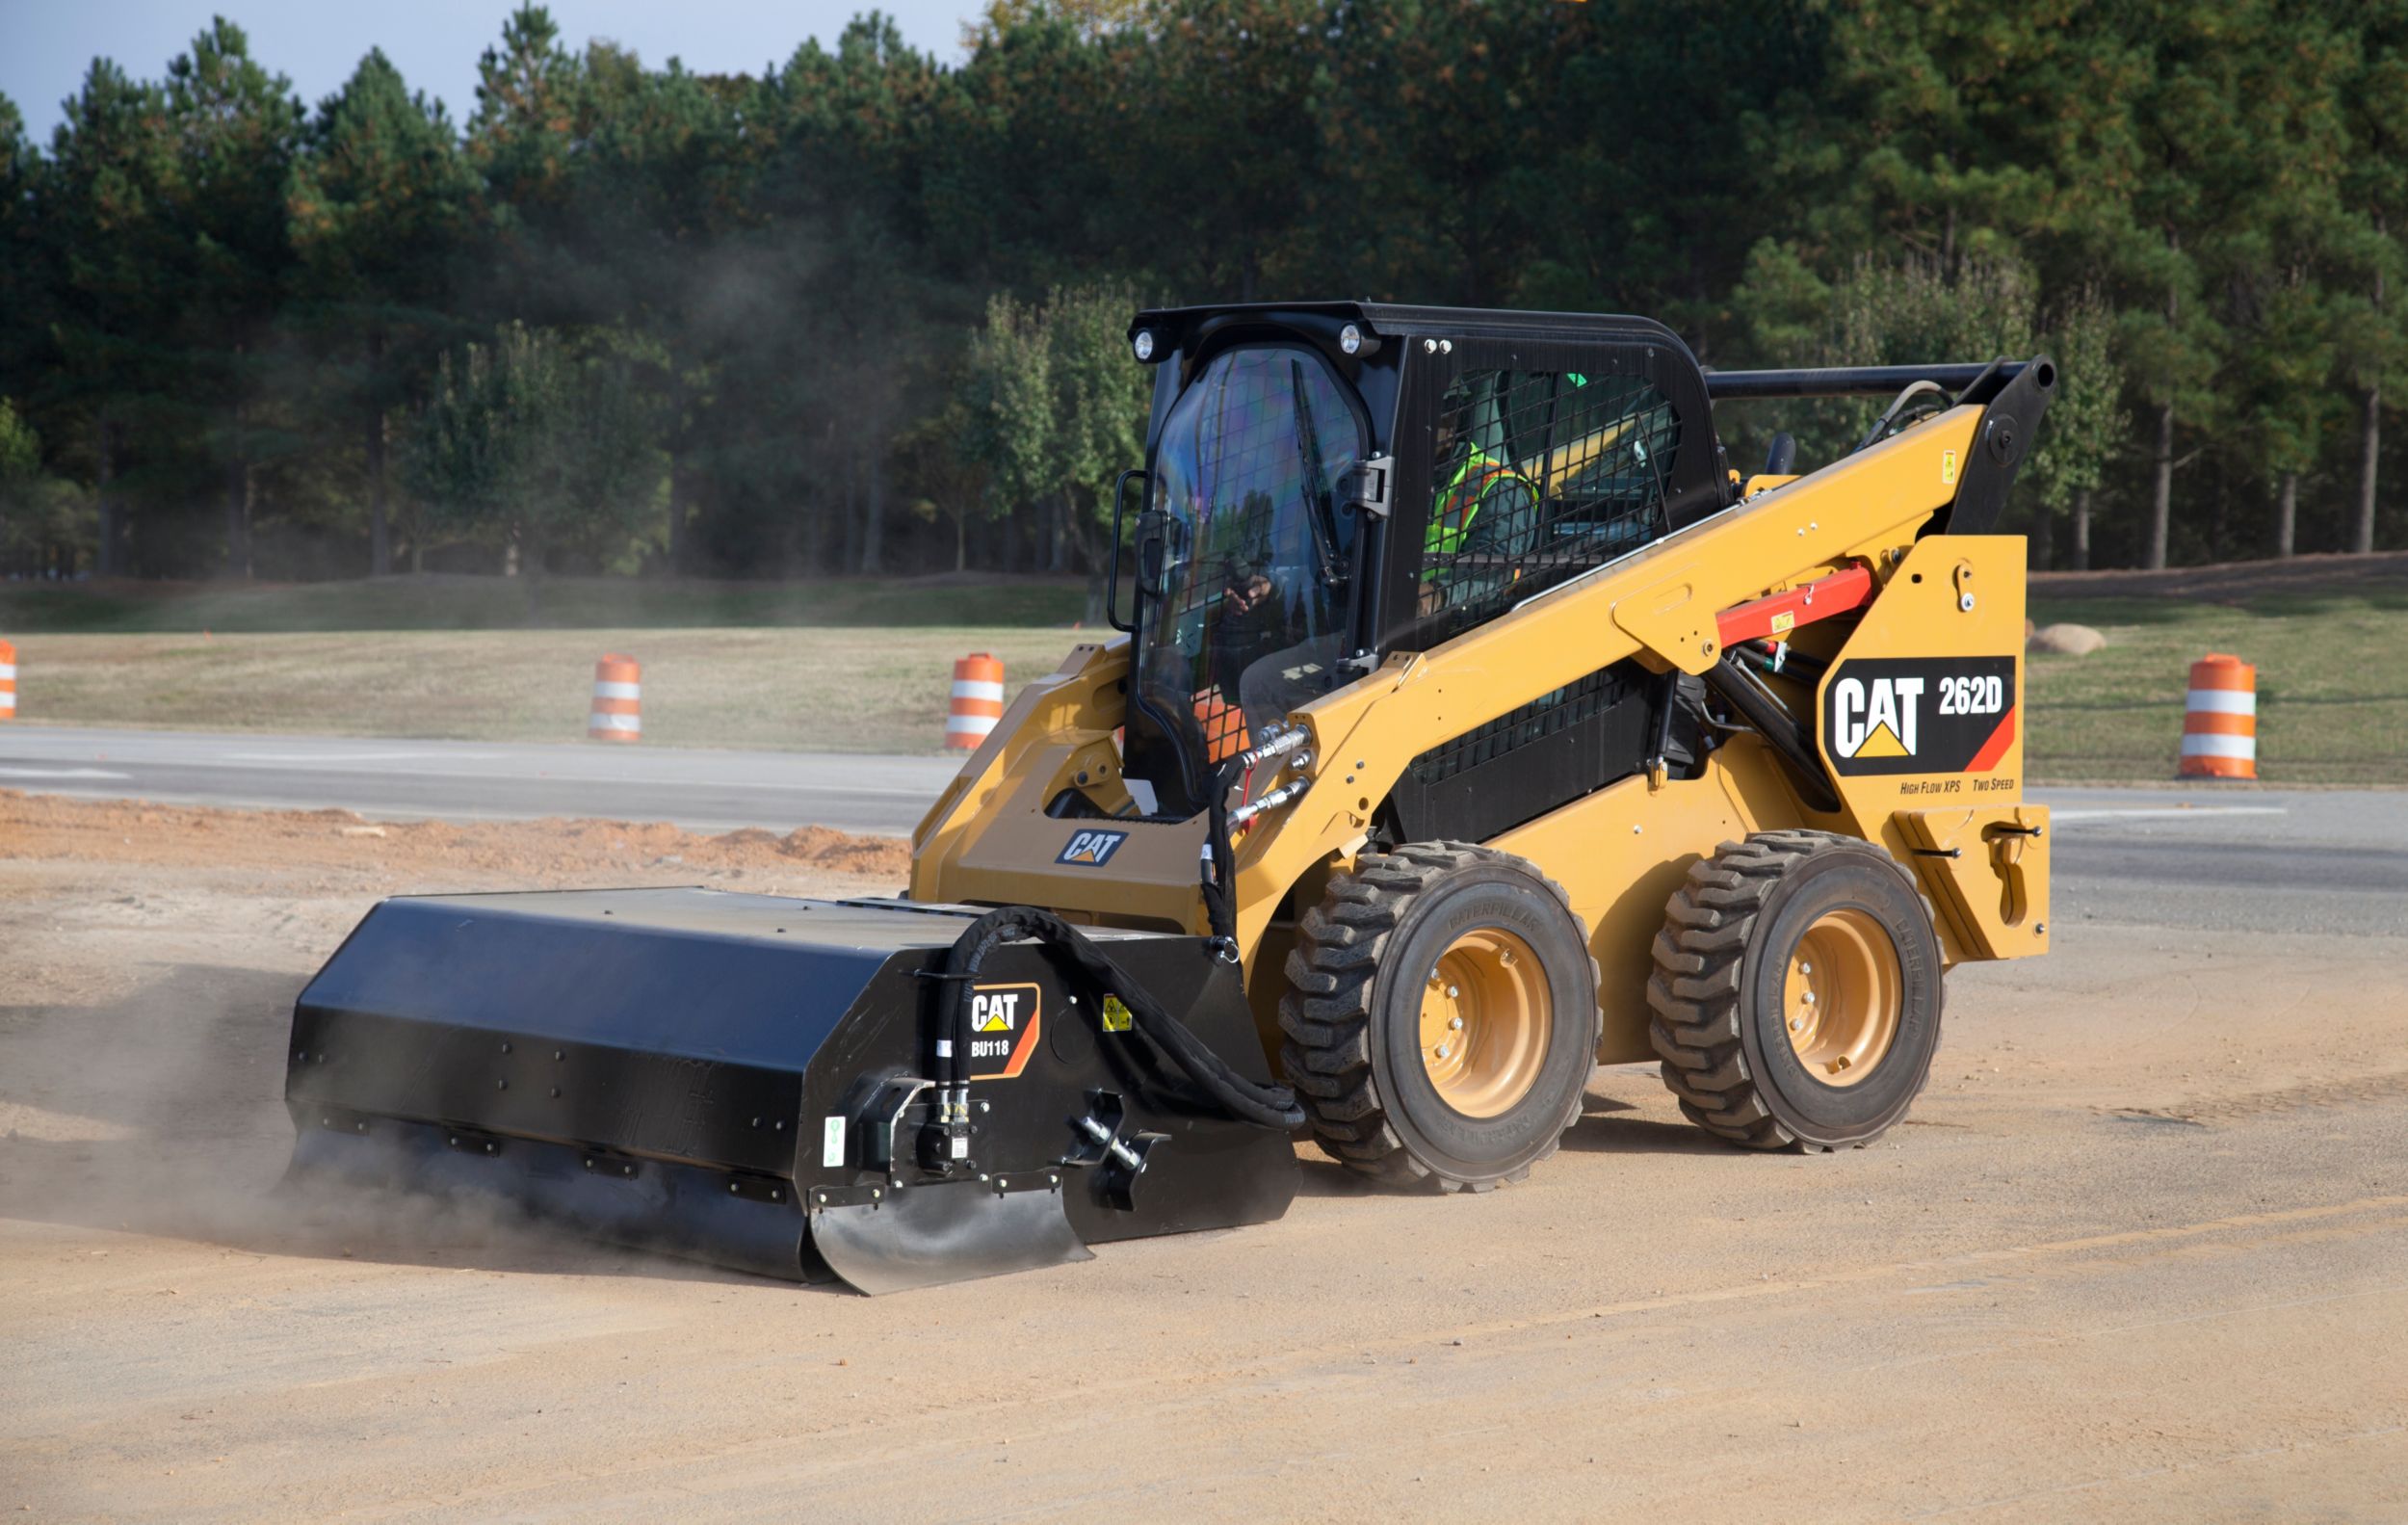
[712, 791]
[2239, 861]
[2260, 860]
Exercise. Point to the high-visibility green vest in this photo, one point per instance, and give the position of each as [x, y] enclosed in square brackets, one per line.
[1459, 502]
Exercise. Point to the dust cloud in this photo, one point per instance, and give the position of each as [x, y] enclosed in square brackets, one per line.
[162, 1113]
[153, 955]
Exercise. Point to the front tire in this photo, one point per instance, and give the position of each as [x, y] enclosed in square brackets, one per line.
[1797, 991]
[1442, 1018]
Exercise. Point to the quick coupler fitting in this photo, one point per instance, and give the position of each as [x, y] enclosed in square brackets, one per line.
[945, 1149]
[945, 1142]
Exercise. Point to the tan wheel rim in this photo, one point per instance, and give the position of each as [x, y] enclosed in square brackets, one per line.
[1840, 1000]
[1485, 1020]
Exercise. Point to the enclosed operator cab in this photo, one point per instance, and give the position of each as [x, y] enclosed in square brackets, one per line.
[1322, 490]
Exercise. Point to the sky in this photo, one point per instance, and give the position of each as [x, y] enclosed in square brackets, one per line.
[46, 45]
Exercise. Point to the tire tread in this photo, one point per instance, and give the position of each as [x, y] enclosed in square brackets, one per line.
[1326, 1013]
[1697, 994]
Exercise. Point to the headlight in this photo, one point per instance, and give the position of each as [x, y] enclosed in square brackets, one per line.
[1350, 339]
[1143, 344]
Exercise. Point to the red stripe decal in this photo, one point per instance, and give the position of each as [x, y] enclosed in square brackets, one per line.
[1996, 746]
[1020, 1053]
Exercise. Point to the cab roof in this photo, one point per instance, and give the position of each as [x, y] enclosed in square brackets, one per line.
[1389, 320]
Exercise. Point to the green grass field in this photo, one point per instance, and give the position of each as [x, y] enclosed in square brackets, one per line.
[2332, 692]
[865, 665]
[851, 689]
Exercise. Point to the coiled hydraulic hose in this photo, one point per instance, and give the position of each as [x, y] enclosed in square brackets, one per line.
[1272, 1107]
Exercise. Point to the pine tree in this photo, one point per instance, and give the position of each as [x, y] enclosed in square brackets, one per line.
[660, 179]
[2374, 190]
[24, 330]
[529, 109]
[237, 130]
[116, 273]
[383, 206]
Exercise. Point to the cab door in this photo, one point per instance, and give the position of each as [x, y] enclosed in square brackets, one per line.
[1536, 460]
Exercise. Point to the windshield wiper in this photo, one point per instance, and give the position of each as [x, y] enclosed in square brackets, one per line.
[1317, 514]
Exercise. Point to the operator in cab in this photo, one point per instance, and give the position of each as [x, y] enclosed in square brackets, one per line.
[1484, 518]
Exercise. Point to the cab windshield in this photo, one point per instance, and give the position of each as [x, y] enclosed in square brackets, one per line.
[1246, 620]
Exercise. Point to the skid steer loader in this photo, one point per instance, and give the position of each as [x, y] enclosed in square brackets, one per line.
[1471, 723]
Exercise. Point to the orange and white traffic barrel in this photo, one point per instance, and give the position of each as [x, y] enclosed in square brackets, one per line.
[978, 701]
[617, 700]
[2220, 720]
[8, 681]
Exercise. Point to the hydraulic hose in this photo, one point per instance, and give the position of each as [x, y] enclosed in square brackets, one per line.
[1219, 883]
[1218, 868]
[1745, 692]
[1272, 1107]
[1889, 416]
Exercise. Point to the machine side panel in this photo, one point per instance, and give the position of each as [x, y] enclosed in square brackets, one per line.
[1922, 715]
[1621, 853]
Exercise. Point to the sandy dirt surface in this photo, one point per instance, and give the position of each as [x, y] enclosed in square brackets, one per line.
[2140, 1253]
[501, 854]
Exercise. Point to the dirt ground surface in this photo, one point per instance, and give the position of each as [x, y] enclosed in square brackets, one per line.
[2141, 1252]
[509, 853]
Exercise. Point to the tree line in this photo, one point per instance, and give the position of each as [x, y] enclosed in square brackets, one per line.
[863, 312]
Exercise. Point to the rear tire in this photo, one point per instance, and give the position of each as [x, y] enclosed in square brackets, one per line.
[1442, 1017]
[1797, 991]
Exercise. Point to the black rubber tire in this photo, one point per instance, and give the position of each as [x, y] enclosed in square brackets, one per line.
[1719, 959]
[1352, 1013]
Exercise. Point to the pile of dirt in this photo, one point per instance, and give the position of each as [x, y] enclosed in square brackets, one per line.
[46, 827]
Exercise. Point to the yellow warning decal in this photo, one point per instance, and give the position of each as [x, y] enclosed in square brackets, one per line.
[1947, 468]
[1784, 623]
[1116, 1018]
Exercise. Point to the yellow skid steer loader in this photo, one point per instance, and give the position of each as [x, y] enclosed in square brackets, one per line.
[1472, 724]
